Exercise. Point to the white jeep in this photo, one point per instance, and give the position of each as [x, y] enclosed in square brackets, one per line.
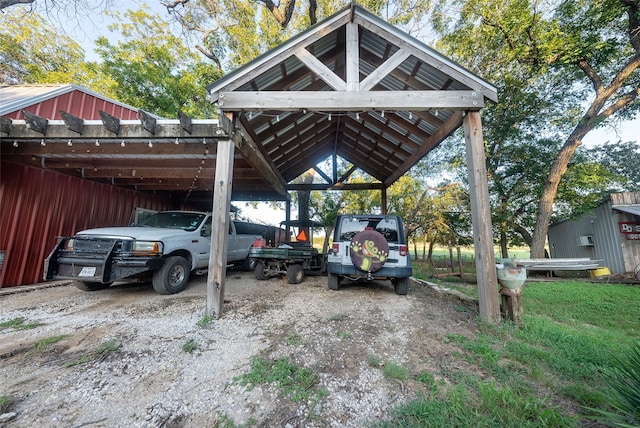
[369, 247]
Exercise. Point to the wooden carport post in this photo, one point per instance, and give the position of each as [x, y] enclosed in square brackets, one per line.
[481, 217]
[220, 226]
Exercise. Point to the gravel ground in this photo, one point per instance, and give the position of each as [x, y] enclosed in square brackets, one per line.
[146, 379]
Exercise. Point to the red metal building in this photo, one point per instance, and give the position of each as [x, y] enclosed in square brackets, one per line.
[36, 205]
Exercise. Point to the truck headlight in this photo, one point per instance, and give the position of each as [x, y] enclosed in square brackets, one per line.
[147, 248]
[69, 245]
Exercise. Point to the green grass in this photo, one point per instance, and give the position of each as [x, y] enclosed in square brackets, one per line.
[297, 383]
[43, 344]
[204, 321]
[5, 403]
[190, 346]
[566, 350]
[395, 371]
[18, 323]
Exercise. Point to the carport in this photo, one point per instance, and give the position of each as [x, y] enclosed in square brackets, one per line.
[351, 86]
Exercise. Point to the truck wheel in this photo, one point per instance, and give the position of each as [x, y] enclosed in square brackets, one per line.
[172, 277]
[248, 264]
[334, 281]
[295, 274]
[90, 286]
[401, 286]
[259, 271]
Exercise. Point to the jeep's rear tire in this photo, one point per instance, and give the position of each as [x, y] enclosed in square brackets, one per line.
[259, 271]
[295, 274]
[172, 277]
[333, 282]
[90, 285]
[401, 286]
[368, 250]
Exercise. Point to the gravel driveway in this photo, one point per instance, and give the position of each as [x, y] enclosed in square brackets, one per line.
[127, 357]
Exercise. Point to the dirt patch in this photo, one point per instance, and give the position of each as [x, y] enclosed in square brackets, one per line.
[119, 360]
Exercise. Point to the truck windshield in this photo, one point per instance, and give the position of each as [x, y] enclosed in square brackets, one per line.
[174, 220]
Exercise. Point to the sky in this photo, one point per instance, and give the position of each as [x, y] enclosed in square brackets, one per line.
[96, 24]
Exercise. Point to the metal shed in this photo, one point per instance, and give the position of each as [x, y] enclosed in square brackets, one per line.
[610, 232]
[352, 86]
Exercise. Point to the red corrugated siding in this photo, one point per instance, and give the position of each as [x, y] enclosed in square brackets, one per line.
[36, 206]
[79, 104]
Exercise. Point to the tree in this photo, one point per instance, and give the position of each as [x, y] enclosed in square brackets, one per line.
[233, 32]
[153, 69]
[579, 58]
[621, 159]
[51, 5]
[27, 54]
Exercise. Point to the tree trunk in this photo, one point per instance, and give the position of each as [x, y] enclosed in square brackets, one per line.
[503, 244]
[431, 245]
[545, 207]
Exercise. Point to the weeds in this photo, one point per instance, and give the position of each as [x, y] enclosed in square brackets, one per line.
[18, 323]
[5, 403]
[395, 371]
[99, 353]
[204, 321]
[43, 344]
[295, 382]
[337, 317]
[190, 346]
[294, 340]
[374, 361]
[623, 379]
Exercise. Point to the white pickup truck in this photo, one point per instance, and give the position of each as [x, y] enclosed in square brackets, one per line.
[167, 246]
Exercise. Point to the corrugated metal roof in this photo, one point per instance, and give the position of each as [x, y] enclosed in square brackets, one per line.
[631, 209]
[382, 136]
[18, 97]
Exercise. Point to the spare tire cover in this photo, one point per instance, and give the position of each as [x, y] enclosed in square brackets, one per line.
[369, 250]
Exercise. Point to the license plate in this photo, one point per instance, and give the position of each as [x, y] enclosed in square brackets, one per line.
[87, 271]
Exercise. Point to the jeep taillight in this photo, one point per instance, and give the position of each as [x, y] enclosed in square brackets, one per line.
[403, 250]
[335, 248]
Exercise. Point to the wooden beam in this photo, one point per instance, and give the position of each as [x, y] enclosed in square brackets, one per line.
[381, 72]
[322, 174]
[347, 174]
[350, 101]
[88, 150]
[428, 56]
[336, 186]
[481, 217]
[167, 174]
[127, 130]
[322, 71]
[352, 57]
[220, 228]
[253, 153]
[443, 132]
[383, 200]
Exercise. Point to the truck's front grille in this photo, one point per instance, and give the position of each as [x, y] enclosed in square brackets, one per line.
[93, 245]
